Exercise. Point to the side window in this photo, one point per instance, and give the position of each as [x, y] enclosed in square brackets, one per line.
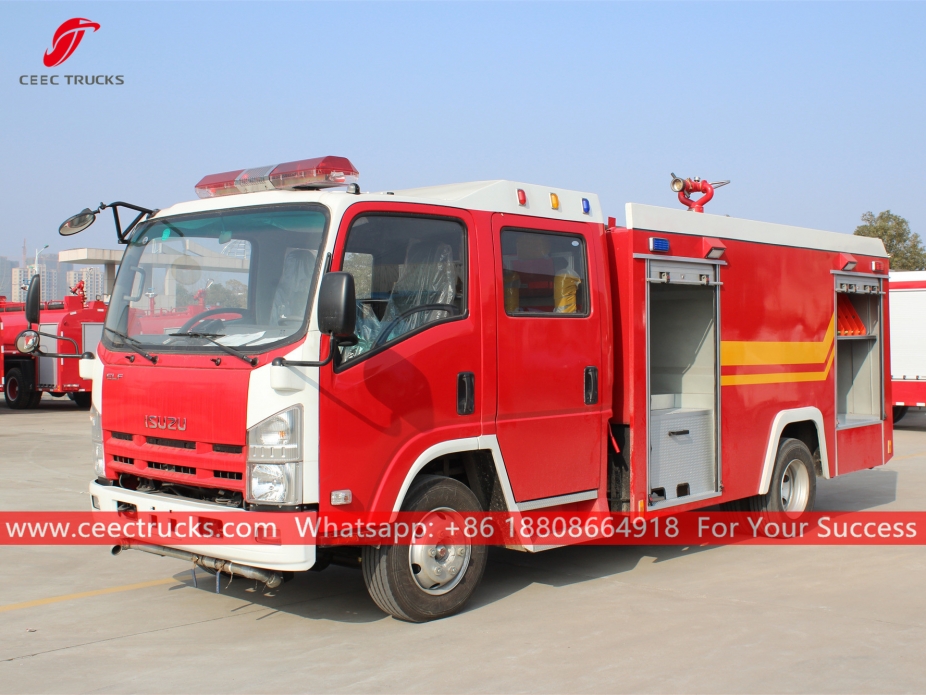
[408, 272]
[544, 273]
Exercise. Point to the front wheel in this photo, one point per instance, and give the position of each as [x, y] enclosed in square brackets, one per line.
[427, 580]
[82, 400]
[17, 391]
[793, 486]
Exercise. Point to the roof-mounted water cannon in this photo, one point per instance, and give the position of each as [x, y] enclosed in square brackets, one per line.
[302, 175]
[685, 187]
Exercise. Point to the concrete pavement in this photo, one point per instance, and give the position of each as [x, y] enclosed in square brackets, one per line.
[590, 619]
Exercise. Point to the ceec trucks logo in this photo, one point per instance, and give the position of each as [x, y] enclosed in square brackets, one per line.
[63, 44]
[66, 40]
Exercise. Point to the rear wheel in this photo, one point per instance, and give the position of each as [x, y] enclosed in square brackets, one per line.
[17, 391]
[899, 412]
[427, 581]
[82, 400]
[793, 486]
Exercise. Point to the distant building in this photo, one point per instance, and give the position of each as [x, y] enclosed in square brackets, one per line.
[94, 285]
[23, 276]
[6, 277]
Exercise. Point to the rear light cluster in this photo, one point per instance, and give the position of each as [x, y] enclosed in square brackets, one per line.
[320, 172]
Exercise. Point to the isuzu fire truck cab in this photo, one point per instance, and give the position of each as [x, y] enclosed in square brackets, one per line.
[482, 346]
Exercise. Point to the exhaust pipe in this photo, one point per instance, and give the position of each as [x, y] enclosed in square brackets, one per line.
[269, 577]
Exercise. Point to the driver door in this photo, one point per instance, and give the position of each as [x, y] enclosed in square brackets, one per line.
[413, 380]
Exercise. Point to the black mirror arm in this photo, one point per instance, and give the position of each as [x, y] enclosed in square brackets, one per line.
[61, 337]
[83, 356]
[332, 351]
[123, 235]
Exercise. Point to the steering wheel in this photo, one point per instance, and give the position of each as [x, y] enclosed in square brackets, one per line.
[384, 334]
[210, 312]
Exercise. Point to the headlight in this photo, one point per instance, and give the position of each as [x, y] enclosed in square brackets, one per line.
[96, 436]
[275, 459]
[277, 439]
[275, 483]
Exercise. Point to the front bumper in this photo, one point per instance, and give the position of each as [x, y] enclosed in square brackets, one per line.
[292, 558]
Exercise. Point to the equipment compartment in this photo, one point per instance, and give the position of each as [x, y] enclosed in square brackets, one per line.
[683, 382]
[859, 383]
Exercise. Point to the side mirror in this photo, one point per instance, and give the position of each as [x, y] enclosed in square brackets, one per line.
[27, 342]
[33, 297]
[337, 305]
[77, 223]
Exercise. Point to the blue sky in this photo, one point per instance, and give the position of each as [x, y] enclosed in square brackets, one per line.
[814, 111]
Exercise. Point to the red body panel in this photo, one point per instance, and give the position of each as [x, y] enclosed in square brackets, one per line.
[550, 439]
[770, 294]
[860, 448]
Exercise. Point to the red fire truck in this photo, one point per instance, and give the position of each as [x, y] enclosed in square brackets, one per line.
[70, 326]
[908, 341]
[482, 346]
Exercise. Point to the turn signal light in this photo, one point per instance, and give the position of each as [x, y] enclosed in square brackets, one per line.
[306, 174]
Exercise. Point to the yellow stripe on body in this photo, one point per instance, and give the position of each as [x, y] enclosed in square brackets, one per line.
[747, 353]
[777, 377]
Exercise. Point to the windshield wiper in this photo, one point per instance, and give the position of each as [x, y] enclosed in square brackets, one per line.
[134, 344]
[211, 337]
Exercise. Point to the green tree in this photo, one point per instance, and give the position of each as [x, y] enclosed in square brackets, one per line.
[904, 246]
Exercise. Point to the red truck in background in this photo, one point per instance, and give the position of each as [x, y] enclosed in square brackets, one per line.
[492, 345]
[77, 325]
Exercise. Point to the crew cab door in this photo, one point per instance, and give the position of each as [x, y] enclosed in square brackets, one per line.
[549, 356]
[414, 379]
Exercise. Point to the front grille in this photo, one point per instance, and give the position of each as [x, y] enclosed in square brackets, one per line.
[228, 448]
[171, 468]
[122, 435]
[124, 459]
[176, 443]
[228, 475]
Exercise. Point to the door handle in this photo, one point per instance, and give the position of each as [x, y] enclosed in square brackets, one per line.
[591, 385]
[466, 393]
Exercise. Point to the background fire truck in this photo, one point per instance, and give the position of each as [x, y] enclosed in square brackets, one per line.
[25, 377]
[483, 346]
[908, 341]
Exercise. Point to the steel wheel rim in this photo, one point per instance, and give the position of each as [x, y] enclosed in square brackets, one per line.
[438, 567]
[794, 490]
[12, 388]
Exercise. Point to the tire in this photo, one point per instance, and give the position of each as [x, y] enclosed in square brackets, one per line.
[82, 400]
[899, 412]
[793, 486]
[418, 596]
[17, 392]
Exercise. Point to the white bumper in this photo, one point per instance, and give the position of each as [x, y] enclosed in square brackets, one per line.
[293, 558]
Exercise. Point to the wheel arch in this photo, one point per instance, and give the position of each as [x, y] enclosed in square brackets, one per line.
[491, 457]
[791, 420]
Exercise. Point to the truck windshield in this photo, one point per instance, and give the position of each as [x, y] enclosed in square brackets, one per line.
[239, 277]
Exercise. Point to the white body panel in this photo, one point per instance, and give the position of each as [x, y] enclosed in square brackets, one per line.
[908, 326]
[676, 221]
[278, 557]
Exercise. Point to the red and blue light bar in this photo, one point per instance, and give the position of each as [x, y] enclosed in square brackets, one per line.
[304, 174]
